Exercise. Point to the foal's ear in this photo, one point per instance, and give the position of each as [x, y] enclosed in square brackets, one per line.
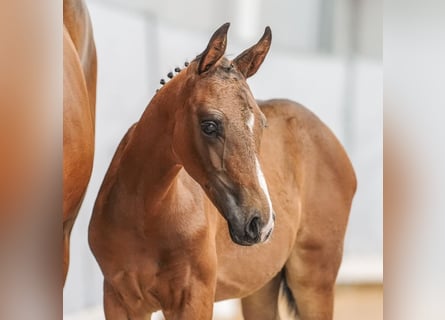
[251, 59]
[215, 49]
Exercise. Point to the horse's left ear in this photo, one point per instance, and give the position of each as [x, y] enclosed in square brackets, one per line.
[215, 49]
[251, 59]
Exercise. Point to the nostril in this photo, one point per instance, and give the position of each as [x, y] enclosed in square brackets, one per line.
[253, 228]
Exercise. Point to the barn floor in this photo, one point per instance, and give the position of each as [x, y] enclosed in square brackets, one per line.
[364, 302]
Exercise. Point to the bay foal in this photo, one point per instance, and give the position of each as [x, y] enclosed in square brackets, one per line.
[184, 216]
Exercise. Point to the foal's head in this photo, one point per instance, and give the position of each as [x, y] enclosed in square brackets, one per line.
[218, 132]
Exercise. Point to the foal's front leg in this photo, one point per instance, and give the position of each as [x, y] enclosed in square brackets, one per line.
[194, 301]
[112, 306]
[193, 298]
[197, 303]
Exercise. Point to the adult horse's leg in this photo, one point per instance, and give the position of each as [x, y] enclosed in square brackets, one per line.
[263, 304]
[67, 227]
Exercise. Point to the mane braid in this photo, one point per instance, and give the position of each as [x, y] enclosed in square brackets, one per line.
[171, 74]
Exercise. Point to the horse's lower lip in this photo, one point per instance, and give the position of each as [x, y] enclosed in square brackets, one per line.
[241, 241]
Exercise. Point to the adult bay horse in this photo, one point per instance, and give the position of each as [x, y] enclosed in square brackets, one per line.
[184, 216]
[79, 101]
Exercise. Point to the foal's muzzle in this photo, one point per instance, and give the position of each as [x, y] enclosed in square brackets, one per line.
[254, 231]
[247, 226]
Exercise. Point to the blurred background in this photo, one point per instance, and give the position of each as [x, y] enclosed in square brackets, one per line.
[325, 54]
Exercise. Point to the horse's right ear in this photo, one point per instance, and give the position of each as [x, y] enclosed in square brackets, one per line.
[251, 59]
[215, 49]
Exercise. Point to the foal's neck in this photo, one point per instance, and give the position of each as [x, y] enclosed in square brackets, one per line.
[151, 167]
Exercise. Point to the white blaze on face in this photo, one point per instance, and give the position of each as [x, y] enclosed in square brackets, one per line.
[251, 122]
[270, 223]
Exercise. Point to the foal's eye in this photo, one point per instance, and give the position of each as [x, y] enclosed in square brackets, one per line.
[209, 127]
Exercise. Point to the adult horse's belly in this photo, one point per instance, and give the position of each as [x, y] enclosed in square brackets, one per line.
[243, 270]
[78, 132]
